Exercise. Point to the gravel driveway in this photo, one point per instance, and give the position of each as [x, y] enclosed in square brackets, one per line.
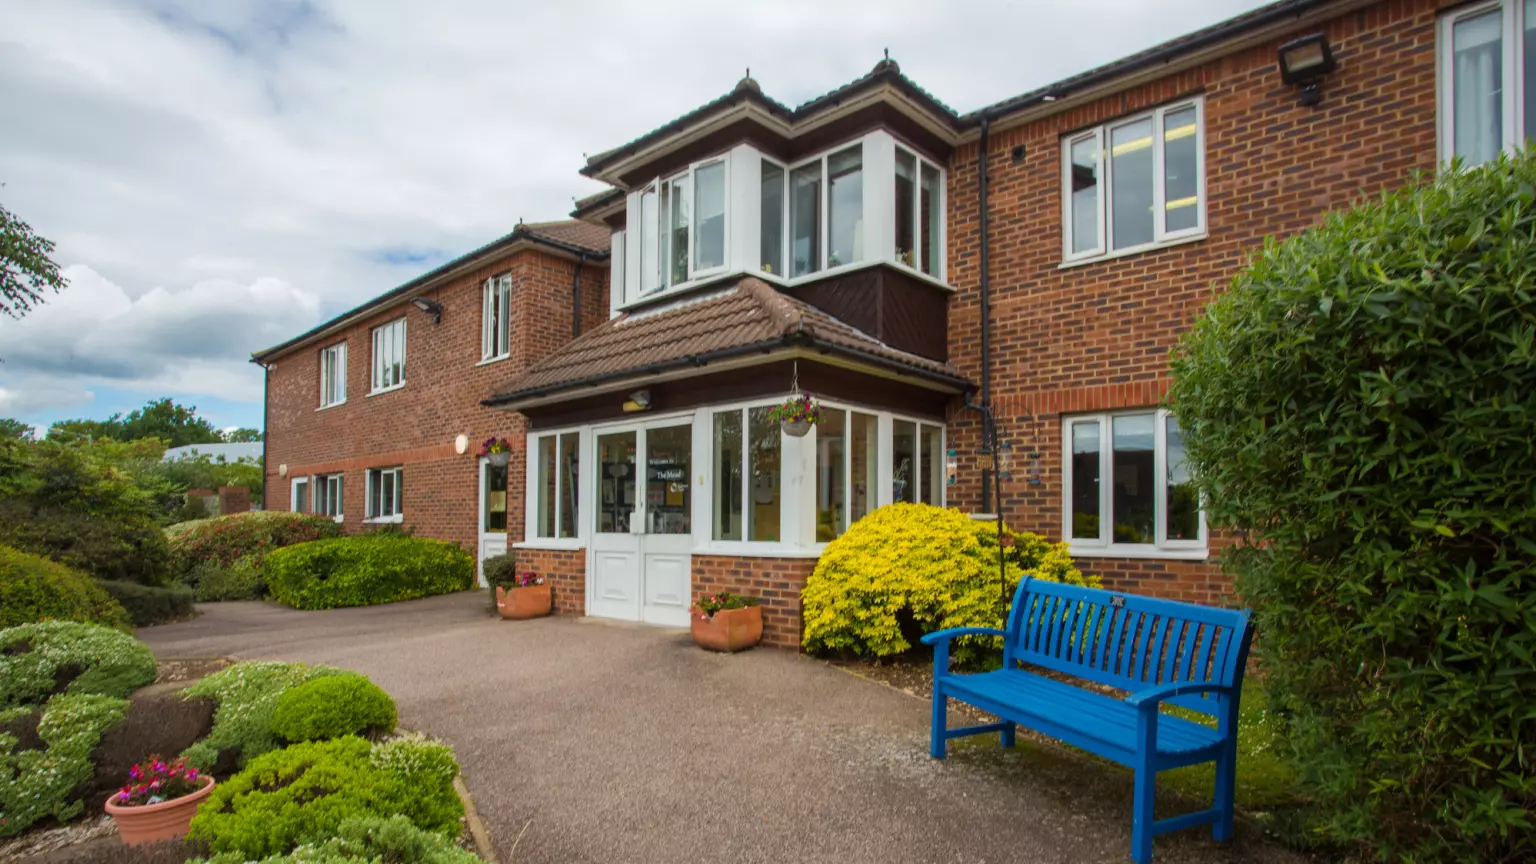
[603, 742]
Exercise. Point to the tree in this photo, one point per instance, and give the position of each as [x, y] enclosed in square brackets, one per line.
[26, 268]
[242, 435]
[173, 424]
[10, 428]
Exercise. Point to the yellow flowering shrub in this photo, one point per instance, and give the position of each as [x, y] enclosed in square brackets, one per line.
[937, 566]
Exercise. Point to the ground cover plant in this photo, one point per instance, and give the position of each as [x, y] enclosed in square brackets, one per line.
[38, 783]
[33, 588]
[1360, 403]
[369, 840]
[39, 660]
[247, 695]
[366, 570]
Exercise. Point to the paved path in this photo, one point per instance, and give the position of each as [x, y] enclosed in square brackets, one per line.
[616, 743]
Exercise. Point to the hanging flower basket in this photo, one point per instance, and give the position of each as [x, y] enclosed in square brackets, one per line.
[497, 451]
[797, 414]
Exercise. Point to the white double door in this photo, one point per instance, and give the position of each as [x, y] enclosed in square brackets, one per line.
[641, 567]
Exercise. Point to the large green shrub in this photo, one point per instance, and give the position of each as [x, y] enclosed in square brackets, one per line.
[369, 840]
[303, 793]
[32, 588]
[37, 660]
[38, 783]
[247, 695]
[76, 507]
[151, 604]
[362, 571]
[1362, 403]
[937, 566]
[325, 708]
[225, 540]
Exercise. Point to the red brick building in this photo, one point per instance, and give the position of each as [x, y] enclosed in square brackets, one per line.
[850, 247]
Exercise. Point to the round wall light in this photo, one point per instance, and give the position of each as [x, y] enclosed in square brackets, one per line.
[460, 444]
[282, 470]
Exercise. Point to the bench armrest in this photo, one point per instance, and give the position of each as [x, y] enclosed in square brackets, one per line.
[1147, 700]
[938, 636]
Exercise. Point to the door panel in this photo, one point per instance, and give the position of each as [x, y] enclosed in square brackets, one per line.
[493, 514]
[668, 579]
[615, 551]
[669, 524]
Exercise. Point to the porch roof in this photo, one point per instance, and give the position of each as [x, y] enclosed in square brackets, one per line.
[747, 320]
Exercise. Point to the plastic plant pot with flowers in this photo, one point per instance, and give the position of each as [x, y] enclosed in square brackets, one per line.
[797, 414]
[497, 451]
[727, 622]
[158, 801]
[527, 597]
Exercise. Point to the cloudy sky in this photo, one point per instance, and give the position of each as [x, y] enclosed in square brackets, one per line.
[220, 175]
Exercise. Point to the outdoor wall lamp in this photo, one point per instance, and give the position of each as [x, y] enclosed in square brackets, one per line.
[1304, 62]
[640, 400]
[429, 306]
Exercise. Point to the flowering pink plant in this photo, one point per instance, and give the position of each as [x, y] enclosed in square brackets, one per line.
[709, 604]
[528, 577]
[154, 780]
[801, 406]
[495, 445]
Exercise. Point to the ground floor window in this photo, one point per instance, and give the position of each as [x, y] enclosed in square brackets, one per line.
[1127, 485]
[746, 445]
[384, 494]
[299, 500]
[917, 462]
[556, 481]
[328, 495]
[847, 467]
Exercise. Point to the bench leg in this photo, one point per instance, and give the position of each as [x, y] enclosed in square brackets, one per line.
[1141, 817]
[1007, 736]
[936, 746]
[1226, 784]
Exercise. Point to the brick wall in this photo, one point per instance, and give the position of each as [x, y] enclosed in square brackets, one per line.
[566, 572]
[1097, 336]
[774, 581]
[415, 426]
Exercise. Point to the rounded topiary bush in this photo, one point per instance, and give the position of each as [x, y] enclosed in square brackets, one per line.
[32, 588]
[223, 541]
[1362, 403]
[38, 660]
[325, 708]
[366, 570]
[933, 567]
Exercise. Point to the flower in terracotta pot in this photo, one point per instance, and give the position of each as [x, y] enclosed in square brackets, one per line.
[158, 801]
[797, 414]
[525, 596]
[497, 450]
[727, 622]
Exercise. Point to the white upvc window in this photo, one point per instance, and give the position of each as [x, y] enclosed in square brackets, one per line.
[389, 356]
[683, 226]
[919, 215]
[496, 318]
[384, 490]
[298, 500]
[1486, 83]
[917, 462]
[825, 212]
[1127, 489]
[333, 375]
[328, 496]
[1134, 183]
[556, 479]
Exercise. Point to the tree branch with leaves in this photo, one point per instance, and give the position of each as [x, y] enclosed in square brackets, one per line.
[27, 270]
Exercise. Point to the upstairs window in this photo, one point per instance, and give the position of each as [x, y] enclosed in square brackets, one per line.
[1488, 90]
[826, 212]
[1128, 489]
[389, 356]
[771, 204]
[682, 227]
[384, 494]
[919, 214]
[1135, 183]
[333, 375]
[495, 318]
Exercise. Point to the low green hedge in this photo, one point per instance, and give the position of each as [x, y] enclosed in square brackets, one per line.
[331, 707]
[224, 540]
[38, 660]
[304, 793]
[367, 570]
[370, 840]
[33, 588]
[147, 604]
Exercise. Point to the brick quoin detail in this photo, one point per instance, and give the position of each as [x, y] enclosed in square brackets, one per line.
[566, 572]
[774, 581]
[1097, 336]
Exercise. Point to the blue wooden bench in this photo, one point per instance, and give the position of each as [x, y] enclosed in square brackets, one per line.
[1158, 650]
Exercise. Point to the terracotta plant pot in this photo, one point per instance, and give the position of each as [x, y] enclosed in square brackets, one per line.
[729, 630]
[529, 601]
[146, 823]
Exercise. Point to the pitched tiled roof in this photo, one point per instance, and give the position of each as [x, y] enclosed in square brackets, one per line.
[571, 232]
[750, 317]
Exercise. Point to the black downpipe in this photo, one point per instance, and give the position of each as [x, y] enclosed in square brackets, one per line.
[576, 296]
[986, 318]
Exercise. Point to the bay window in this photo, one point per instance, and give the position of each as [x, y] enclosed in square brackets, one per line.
[805, 219]
[650, 234]
[1134, 183]
[919, 213]
[681, 224]
[557, 477]
[1487, 85]
[771, 212]
[1127, 486]
[826, 201]
[709, 200]
[384, 494]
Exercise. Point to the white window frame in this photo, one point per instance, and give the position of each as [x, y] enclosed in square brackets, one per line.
[689, 180]
[293, 495]
[374, 478]
[333, 359]
[389, 335]
[535, 487]
[333, 492]
[1104, 545]
[1160, 236]
[1512, 45]
[496, 334]
[823, 226]
[917, 215]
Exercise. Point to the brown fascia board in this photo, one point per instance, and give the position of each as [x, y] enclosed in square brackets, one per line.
[510, 244]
